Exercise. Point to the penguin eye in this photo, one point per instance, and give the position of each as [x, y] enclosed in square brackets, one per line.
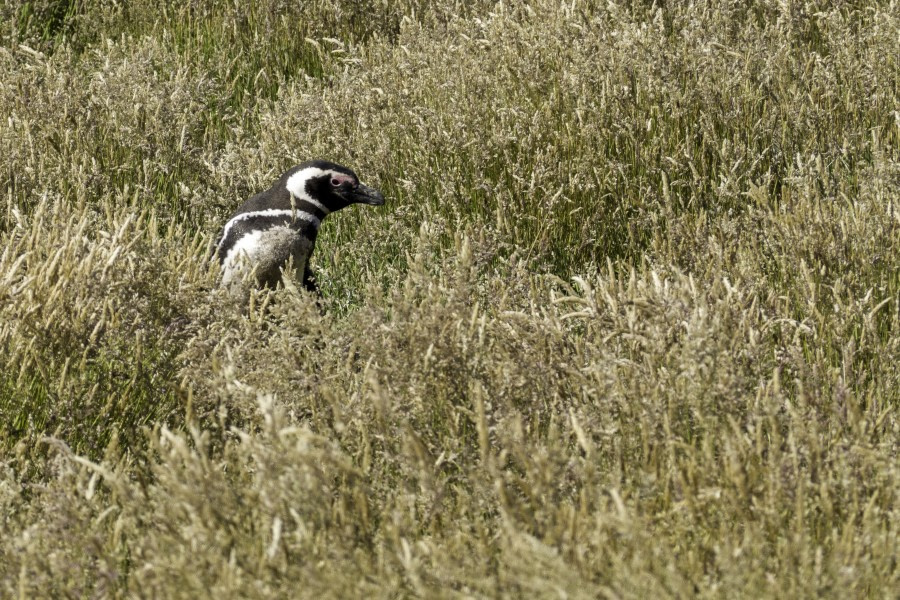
[335, 182]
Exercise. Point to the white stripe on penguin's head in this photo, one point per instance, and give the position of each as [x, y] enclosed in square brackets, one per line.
[296, 185]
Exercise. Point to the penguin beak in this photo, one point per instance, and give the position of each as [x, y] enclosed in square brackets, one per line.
[367, 195]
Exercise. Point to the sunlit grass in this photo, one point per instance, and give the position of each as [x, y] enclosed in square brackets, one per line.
[627, 325]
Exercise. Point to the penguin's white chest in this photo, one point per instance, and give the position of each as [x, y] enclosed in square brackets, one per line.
[265, 253]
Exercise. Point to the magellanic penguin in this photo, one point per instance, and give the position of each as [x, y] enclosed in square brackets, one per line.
[279, 226]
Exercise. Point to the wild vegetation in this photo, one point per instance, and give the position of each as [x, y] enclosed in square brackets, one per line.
[627, 327]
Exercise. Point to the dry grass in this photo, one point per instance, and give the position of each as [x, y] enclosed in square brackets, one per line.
[628, 325]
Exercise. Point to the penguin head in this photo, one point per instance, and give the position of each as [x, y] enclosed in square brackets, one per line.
[330, 185]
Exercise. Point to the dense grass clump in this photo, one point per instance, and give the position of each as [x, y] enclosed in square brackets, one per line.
[628, 325]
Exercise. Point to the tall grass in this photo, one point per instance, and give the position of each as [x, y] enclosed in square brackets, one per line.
[628, 325]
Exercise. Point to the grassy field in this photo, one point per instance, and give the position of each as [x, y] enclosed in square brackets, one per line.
[627, 327]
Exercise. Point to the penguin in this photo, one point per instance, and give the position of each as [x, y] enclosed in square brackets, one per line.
[279, 226]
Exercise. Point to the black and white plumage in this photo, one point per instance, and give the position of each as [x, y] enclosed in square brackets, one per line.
[280, 225]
